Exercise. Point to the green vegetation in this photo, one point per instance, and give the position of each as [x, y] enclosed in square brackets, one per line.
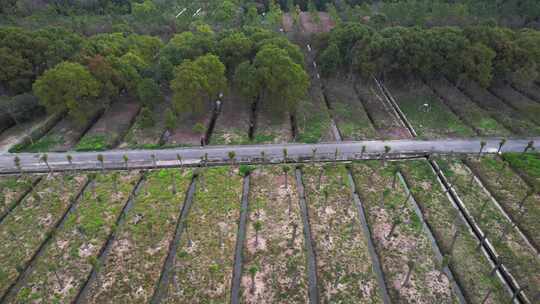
[277, 249]
[520, 259]
[32, 221]
[134, 263]
[92, 143]
[11, 190]
[468, 264]
[341, 248]
[77, 243]
[205, 256]
[399, 239]
[528, 164]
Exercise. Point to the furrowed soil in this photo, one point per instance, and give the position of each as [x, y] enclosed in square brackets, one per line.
[517, 101]
[527, 165]
[511, 192]
[521, 260]
[111, 127]
[133, 266]
[11, 136]
[202, 271]
[63, 136]
[399, 238]
[61, 270]
[232, 124]
[511, 119]
[313, 120]
[474, 116]
[275, 265]
[189, 130]
[345, 272]
[147, 136]
[29, 224]
[347, 110]
[384, 120]
[469, 265]
[531, 90]
[430, 117]
[272, 127]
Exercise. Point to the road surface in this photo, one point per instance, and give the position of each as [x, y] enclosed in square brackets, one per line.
[114, 159]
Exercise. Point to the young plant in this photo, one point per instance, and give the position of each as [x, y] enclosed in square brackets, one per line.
[252, 272]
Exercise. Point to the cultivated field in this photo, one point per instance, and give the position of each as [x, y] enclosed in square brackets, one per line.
[171, 235]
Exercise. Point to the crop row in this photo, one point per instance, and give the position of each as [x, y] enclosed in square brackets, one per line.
[107, 249]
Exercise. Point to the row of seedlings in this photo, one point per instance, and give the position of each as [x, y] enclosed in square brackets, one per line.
[526, 165]
[513, 250]
[345, 272]
[508, 117]
[275, 262]
[516, 198]
[61, 270]
[13, 189]
[463, 253]
[347, 110]
[133, 266]
[430, 117]
[467, 110]
[32, 221]
[203, 266]
[412, 272]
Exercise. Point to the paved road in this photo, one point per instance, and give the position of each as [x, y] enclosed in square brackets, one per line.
[31, 162]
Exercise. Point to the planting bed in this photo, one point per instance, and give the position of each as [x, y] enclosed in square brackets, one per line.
[232, 124]
[527, 165]
[347, 110]
[508, 117]
[406, 246]
[345, 272]
[63, 267]
[511, 192]
[107, 132]
[272, 127]
[469, 265]
[275, 266]
[466, 110]
[189, 130]
[521, 261]
[204, 261]
[434, 121]
[12, 190]
[133, 266]
[63, 136]
[382, 116]
[517, 101]
[531, 90]
[11, 136]
[147, 137]
[31, 222]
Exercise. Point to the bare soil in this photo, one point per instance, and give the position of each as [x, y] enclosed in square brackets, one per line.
[232, 124]
[308, 25]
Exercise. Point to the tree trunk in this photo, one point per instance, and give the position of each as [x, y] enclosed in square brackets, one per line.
[487, 296]
[320, 178]
[454, 238]
[252, 289]
[293, 238]
[408, 276]
[394, 225]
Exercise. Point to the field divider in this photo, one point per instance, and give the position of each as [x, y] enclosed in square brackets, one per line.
[14, 288]
[434, 245]
[240, 241]
[487, 248]
[313, 290]
[121, 137]
[480, 183]
[104, 251]
[377, 268]
[160, 291]
[395, 108]
[20, 199]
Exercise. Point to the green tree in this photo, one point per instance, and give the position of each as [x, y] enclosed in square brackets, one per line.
[147, 119]
[170, 119]
[233, 49]
[283, 82]
[148, 92]
[68, 86]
